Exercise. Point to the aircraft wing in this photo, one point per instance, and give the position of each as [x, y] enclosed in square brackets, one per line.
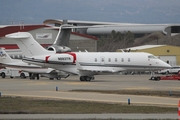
[97, 69]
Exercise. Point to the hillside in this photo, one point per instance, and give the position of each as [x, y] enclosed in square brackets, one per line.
[116, 40]
[158, 38]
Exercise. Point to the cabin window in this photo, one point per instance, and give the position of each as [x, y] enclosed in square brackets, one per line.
[102, 59]
[115, 59]
[95, 60]
[109, 59]
[122, 59]
[129, 59]
[151, 57]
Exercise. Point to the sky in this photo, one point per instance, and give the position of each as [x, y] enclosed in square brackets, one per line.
[123, 11]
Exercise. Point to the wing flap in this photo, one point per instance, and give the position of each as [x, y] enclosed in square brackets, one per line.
[99, 69]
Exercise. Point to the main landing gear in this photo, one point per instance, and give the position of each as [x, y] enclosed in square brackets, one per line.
[86, 78]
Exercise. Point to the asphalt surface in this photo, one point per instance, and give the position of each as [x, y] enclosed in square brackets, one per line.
[46, 88]
[88, 116]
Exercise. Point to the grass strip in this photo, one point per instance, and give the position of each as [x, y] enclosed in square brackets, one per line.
[22, 105]
[175, 94]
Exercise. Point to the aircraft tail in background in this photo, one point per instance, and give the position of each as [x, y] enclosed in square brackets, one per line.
[4, 57]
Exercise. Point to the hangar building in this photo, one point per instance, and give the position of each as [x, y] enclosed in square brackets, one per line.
[167, 53]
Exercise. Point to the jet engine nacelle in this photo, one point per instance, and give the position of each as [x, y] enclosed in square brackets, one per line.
[60, 59]
[59, 49]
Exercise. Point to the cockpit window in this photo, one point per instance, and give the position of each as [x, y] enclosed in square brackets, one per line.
[152, 57]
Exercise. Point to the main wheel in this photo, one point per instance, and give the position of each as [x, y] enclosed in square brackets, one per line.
[82, 78]
[58, 78]
[88, 78]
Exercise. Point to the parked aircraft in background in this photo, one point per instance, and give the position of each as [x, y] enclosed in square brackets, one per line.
[61, 42]
[8, 62]
[85, 64]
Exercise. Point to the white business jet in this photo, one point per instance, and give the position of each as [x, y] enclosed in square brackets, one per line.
[15, 64]
[85, 64]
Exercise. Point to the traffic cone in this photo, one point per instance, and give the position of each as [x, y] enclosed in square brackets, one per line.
[179, 111]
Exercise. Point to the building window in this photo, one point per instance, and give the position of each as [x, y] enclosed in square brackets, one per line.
[129, 59]
[109, 59]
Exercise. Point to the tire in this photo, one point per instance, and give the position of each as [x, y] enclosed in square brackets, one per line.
[58, 78]
[158, 79]
[3, 75]
[82, 78]
[88, 78]
[22, 75]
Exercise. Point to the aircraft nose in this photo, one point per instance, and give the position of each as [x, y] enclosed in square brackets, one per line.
[167, 65]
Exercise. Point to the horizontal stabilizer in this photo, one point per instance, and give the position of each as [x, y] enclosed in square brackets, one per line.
[28, 45]
[73, 27]
[18, 35]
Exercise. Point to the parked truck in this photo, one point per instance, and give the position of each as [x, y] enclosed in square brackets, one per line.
[6, 72]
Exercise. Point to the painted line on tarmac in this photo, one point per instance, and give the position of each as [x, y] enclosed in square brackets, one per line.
[138, 88]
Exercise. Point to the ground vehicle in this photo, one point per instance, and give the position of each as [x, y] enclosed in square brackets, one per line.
[4, 72]
[172, 70]
[169, 77]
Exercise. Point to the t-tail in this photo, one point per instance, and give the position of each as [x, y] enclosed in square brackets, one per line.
[4, 57]
[63, 36]
[28, 45]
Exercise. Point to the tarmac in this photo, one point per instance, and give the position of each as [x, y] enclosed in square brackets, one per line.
[87, 116]
[61, 89]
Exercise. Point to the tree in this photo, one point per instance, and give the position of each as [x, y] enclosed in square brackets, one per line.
[114, 41]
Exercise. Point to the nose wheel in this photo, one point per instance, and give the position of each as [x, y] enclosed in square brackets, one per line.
[86, 78]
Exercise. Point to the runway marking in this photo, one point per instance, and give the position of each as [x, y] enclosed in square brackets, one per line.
[138, 88]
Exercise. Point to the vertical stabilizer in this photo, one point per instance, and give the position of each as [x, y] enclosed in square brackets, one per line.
[4, 57]
[63, 36]
[28, 45]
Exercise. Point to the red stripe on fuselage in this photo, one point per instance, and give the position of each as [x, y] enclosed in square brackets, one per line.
[46, 58]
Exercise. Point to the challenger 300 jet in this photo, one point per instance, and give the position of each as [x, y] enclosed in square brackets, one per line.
[85, 64]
